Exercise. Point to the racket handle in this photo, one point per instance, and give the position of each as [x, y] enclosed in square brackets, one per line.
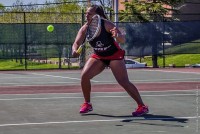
[79, 49]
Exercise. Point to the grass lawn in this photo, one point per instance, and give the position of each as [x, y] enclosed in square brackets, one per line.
[9, 64]
[179, 60]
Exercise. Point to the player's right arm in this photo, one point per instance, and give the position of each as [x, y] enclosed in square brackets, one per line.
[79, 40]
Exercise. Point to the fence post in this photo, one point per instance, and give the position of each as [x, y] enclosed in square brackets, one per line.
[25, 43]
[163, 41]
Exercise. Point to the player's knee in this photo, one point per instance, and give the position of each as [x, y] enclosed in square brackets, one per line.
[85, 76]
[123, 82]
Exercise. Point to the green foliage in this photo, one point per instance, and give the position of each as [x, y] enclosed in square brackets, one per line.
[1, 6]
[65, 7]
[56, 13]
[143, 11]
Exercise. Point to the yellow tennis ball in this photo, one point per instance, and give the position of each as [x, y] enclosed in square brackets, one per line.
[50, 28]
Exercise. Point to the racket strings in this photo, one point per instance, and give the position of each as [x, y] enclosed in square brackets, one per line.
[92, 29]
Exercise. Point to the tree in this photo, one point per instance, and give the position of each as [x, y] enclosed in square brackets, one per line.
[149, 11]
[1, 7]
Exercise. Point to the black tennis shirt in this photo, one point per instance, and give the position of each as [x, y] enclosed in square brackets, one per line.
[103, 44]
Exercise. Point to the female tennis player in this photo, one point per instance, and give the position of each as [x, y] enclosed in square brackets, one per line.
[107, 52]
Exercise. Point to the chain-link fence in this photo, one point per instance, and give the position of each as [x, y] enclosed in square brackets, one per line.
[25, 42]
[162, 39]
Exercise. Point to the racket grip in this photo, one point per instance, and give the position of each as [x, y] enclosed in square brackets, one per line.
[79, 49]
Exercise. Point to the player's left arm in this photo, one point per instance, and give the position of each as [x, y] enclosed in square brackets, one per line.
[79, 40]
[116, 33]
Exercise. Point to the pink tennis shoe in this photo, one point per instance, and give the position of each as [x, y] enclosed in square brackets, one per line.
[86, 107]
[141, 110]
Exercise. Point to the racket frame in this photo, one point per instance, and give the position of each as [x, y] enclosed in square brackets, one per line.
[95, 34]
[97, 30]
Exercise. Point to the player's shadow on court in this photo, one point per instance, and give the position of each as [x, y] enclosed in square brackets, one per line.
[151, 117]
[145, 117]
[165, 118]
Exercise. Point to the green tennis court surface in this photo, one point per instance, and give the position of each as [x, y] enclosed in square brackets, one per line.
[174, 109]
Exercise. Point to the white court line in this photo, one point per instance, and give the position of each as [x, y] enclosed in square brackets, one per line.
[27, 77]
[56, 76]
[101, 82]
[39, 84]
[173, 71]
[125, 96]
[173, 80]
[59, 76]
[164, 91]
[154, 81]
[115, 81]
[91, 121]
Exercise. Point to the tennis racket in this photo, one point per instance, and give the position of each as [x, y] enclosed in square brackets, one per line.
[92, 31]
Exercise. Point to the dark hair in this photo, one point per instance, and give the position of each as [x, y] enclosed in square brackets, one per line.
[100, 11]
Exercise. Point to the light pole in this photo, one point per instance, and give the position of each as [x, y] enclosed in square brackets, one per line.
[116, 11]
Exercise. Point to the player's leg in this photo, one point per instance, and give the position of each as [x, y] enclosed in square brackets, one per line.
[119, 71]
[92, 68]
